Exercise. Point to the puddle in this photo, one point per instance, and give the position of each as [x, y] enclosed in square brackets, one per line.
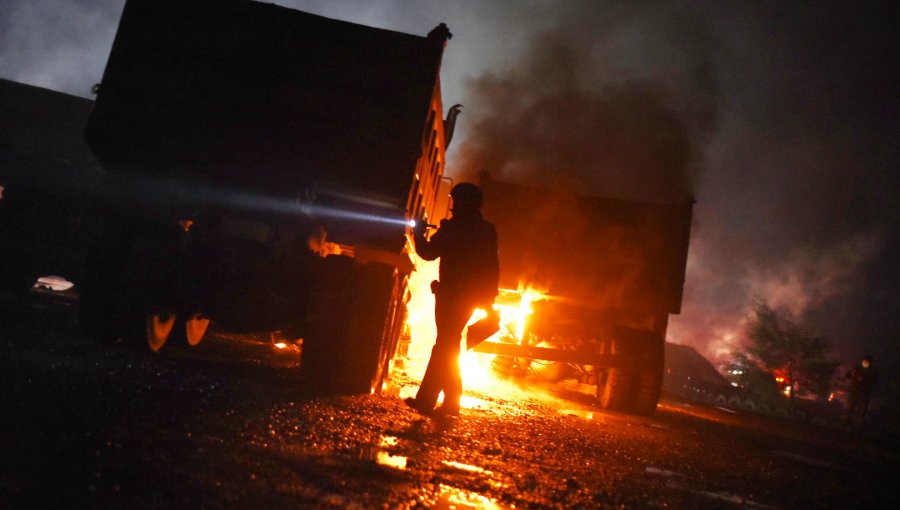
[459, 499]
[393, 461]
[469, 469]
[650, 470]
[465, 468]
[379, 455]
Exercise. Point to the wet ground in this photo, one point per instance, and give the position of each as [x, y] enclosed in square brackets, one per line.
[228, 425]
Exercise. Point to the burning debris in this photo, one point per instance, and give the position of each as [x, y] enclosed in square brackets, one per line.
[576, 326]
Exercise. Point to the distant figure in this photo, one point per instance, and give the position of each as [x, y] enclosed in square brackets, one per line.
[862, 379]
[469, 275]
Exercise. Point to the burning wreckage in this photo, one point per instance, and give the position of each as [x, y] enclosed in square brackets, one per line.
[263, 164]
[592, 282]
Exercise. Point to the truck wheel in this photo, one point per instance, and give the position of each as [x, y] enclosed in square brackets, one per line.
[648, 379]
[614, 392]
[350, 306]
[613, 384]
[635, 385]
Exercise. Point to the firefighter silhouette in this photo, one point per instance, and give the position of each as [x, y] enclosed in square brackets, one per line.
[862, 379]
[469, 275]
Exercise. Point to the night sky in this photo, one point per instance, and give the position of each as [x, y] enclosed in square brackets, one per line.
[779, 118]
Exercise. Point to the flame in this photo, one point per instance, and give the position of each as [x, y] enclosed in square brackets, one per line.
[514, 307]
[420, 317]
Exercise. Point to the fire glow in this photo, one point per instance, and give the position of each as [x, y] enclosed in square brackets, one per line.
[514, 308]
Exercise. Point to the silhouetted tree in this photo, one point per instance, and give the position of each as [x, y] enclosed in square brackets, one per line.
[778, 342]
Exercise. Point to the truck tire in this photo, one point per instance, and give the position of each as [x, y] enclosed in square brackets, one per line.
[615, 390]
[349, 314]
[635, 385]
[649, 378]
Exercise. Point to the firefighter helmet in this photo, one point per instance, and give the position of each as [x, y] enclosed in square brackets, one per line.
[468, 193]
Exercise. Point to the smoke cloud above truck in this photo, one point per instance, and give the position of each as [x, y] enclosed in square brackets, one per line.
[745, 112]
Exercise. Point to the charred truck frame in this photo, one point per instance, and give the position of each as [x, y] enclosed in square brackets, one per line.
[600, 276]
[262, 164]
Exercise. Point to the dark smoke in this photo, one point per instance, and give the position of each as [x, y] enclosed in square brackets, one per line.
[779, 118]
[578, 112]
[800, 205]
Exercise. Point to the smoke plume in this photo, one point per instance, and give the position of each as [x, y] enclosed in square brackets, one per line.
[583, 111]
[778, 123]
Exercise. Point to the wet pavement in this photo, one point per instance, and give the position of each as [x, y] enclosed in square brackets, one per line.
[228, 424]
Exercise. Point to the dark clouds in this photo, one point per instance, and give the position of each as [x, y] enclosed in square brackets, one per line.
[57, 44]
[779, 117]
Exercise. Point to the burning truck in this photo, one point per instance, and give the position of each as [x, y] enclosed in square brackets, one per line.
[262, 164]
[588, 284]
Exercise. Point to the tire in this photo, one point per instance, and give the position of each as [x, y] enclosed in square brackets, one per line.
[649, 378]
[349, 315]
[615, 391]
[636, 384]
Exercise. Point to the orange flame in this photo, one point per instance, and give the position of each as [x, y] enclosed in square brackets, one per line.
[514, 308]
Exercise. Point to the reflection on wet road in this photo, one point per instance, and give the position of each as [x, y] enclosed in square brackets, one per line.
[228, 424]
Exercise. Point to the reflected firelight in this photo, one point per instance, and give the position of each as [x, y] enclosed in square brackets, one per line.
[514, 308]
[454, 498]
[379, 454]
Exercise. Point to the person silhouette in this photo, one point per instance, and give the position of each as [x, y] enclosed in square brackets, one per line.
[469, 276]
[862, 379]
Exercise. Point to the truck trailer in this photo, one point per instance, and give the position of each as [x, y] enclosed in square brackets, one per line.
[599, 277]
[262, 165]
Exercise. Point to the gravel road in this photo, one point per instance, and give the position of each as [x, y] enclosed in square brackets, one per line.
[228, 424]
